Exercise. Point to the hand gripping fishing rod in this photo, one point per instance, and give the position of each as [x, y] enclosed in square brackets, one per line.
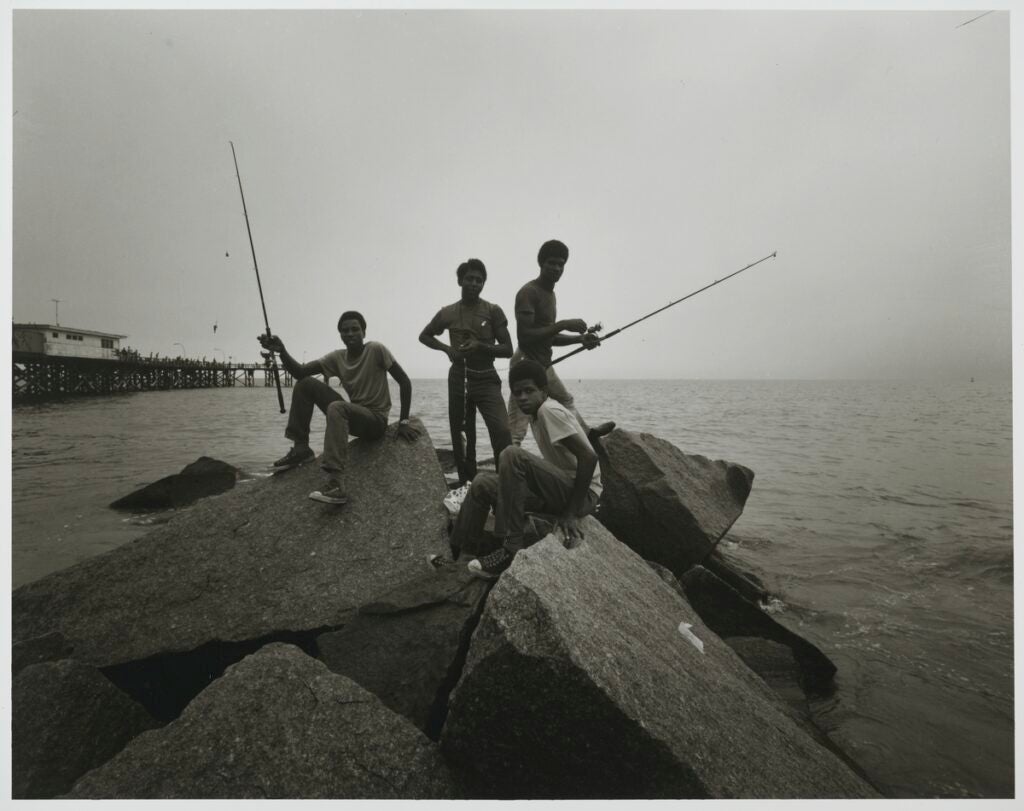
[615, 332]
[273, 363]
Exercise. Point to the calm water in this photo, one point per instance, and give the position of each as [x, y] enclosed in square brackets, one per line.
[881, 516]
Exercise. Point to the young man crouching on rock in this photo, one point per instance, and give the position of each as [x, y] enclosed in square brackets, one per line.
[564, 480]
[362, 366]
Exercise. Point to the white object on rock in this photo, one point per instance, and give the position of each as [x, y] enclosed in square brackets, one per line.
[690, 636]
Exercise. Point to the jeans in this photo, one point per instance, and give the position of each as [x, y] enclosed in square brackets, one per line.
[523, 482]
[343, 418]
[518, 421]
[468, 393]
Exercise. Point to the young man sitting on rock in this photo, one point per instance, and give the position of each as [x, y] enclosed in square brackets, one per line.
[563, 481]
[362, 366]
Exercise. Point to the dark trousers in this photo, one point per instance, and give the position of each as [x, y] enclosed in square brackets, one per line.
[343, 419]
[524, 482]
[469, 392]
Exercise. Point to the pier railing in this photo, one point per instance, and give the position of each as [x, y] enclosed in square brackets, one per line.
[38, 376]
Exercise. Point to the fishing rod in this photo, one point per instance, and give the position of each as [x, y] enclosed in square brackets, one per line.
[273, 363]
[615, 332]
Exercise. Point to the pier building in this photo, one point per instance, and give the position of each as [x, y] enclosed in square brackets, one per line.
[50, 361]
[53, 339]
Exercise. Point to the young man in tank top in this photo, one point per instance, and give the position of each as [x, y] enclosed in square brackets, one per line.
[478, 333]
[363, 367]
[538, 329]
[564, 480]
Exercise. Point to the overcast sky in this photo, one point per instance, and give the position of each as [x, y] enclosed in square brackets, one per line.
[380, 149]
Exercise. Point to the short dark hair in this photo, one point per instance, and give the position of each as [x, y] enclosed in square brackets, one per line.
[468, 265]
[552, 247]
[528, 370]
[350, 314]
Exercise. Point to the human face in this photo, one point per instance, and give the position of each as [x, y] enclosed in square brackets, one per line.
[551, 269]
[527, 396]
[351, 333]
[472, 285]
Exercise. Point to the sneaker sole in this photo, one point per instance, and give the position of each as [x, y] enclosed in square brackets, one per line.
[290, 465]
[482, 574]
[436, 563]
[318, 496]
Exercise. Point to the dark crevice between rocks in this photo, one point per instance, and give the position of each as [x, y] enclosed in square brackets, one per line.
[439, 709]
[165, 683]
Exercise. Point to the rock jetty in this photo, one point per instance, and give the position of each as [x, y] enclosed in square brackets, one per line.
[288, 649]
[579, 684]
[277, 725]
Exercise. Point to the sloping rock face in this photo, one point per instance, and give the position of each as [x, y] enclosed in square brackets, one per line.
[260, 560]
[730, 570]
[46, 648]
[407, 647]
[277, 725]
[730, 615]
[203, 477]
[66, 718]
[579, 684]
[669, 506]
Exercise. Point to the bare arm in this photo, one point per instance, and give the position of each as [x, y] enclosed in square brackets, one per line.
[405, 430]
[502, 349]
[432, 342]
[528, 333]
[586, 464]
[295, 369]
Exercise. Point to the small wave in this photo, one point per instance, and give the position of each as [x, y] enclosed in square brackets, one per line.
[907, 502]
[774, 605]
[980, 563]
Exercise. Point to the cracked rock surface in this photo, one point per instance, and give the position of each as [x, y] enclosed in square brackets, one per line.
[579, 684]
[406, 645]
[66, 718]
[278, 724]
[259, 560]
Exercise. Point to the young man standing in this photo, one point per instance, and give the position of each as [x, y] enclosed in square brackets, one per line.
[362, 367]
[478, 333]
[564, 480]
[538, 330]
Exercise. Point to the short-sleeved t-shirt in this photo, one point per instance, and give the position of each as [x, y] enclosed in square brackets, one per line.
[554, 422]
[365, 380]
[534, 300]
[479, 320]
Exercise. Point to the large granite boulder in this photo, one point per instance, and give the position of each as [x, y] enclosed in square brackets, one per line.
[407, 646]
[669, 506]
[46, 648]
[203, 477]
[66, 718]
[278, 724]
[589, 677]
[259, 561]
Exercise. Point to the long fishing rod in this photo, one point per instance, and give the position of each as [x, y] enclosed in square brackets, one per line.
[615, 332]
[273, 363]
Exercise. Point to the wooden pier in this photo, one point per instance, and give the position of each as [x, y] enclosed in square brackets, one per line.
[39, 377]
